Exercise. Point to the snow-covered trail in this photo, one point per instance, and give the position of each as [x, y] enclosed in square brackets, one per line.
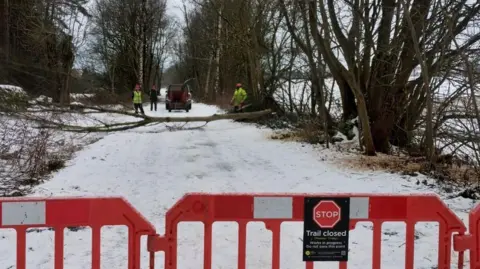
[153, 168]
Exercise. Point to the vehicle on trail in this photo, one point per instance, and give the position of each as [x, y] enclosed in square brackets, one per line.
[178, 97]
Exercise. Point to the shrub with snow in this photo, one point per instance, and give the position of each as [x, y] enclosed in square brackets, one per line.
[13, 97]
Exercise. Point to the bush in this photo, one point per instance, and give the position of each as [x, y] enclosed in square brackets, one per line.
[105, 97]
[13, 99]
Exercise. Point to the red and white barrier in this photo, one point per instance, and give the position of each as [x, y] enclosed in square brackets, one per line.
[272, 209]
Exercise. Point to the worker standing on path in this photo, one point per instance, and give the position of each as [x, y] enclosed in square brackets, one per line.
[137, 99]
[239, 97]
[153, 98]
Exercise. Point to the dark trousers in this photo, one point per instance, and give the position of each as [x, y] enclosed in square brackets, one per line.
[153, 104]
[138, 107]
[237, 109]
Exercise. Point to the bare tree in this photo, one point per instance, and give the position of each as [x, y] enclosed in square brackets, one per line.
[133, 45]
[37, 50]
[375, 82]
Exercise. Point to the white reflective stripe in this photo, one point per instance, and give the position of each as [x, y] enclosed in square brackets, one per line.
[23, 213]
[272, 207]
[359, 207]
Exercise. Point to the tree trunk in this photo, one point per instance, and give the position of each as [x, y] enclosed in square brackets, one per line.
[140, 64]
[142, 47]
[156, 76]
[65, 94]
[383, 119]
[207, 94]
[160, 75]
[112, 78]
[349, 105]
[150, 68]
[4, 11]
[430, 147]
[251, 74]
[381, 134]
[400, 136]
[367, 134]
[252, 66]
[218, 52]
[313, 99]
[145, 120]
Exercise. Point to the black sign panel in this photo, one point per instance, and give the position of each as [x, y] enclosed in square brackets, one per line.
[328, 243]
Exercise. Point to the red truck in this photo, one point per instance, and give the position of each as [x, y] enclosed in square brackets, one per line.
[178, 97]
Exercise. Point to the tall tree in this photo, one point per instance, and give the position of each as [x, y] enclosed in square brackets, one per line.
[37, 47]
[132, 46]
[375, 81]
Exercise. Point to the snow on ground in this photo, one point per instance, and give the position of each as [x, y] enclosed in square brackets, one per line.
[152, 168]
[24, 150]
[163, 91]
[27, 152]
[12, 89]
[77, 96]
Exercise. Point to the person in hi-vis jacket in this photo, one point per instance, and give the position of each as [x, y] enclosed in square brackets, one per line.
[239, 97]
[137, 99]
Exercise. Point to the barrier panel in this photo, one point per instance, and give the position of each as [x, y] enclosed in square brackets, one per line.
[271, 209]
[59, 213]
[275, 209]
[471, 242]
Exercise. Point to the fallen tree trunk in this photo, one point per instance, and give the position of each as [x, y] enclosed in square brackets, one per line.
[214, 117]
[144, 121]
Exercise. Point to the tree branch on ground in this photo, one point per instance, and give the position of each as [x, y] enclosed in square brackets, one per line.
[47, 123]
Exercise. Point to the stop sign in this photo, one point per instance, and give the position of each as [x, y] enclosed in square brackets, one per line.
[326, 214]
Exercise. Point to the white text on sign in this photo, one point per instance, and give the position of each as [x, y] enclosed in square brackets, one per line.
[326, 214]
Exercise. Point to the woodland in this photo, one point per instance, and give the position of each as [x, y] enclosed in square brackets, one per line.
[404, 73]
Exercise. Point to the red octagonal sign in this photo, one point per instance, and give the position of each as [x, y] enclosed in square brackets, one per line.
[326, 214]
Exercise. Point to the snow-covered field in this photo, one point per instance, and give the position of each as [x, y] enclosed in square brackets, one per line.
[153, 167]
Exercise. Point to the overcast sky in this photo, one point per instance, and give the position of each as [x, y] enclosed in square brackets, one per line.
[174, 9]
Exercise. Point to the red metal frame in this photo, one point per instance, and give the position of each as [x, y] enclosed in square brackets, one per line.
[209, 208]
[470, 242]
[60, 213]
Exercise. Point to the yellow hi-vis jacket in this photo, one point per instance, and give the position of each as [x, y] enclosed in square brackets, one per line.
[239, 96]
[137, 97]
